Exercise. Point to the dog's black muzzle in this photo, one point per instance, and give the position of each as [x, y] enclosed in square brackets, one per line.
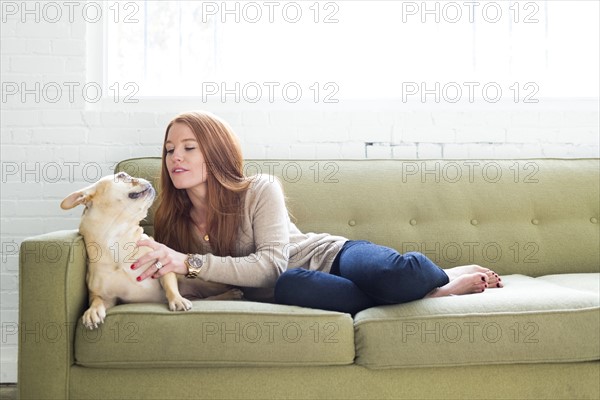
[148, 191]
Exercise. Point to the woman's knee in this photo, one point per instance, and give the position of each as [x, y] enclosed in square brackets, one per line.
[421, 276]
[419, 258]
[405, 277]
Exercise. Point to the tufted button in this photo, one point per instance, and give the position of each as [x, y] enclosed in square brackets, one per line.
[535, 221]
[474, 222]
[413, 222]
[352, 222]
[594, 220]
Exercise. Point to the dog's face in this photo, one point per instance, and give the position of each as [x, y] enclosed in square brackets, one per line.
[114, 199]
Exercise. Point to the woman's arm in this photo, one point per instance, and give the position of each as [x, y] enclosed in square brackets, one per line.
[264, 243]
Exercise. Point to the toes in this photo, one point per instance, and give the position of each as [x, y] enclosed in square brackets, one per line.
[180, 304]
[92, 318]
[480, 282]
[492, 279]
[495, 281]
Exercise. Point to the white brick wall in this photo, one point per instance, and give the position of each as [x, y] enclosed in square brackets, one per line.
[52, 148]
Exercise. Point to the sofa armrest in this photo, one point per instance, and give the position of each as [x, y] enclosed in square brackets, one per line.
[52, 298]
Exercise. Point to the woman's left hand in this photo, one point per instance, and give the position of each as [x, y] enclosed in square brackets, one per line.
[161, 256]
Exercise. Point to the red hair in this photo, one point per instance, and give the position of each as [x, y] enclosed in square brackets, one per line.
[226, 184]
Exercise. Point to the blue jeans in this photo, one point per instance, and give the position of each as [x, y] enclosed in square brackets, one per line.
[362, 275]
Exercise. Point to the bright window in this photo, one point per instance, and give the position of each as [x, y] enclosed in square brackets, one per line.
[355, 49]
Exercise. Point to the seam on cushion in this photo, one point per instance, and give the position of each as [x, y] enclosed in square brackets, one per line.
[466, 364]
[178, 364]
[233, 313]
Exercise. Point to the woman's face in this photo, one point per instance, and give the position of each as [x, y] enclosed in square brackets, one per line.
[184, 159]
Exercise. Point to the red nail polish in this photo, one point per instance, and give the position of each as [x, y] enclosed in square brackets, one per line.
[132, 266]
[139, 278]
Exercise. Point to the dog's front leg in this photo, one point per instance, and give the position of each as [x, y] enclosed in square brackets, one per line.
[176, 301]
[97, 312]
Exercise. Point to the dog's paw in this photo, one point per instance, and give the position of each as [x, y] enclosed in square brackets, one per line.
[234, 294]
[180, 304]
[93, 317]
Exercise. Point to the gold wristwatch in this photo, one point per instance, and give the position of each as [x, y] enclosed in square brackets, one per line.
[194, 263]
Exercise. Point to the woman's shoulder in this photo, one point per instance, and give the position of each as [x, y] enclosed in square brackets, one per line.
[260, 181]
[263, 183]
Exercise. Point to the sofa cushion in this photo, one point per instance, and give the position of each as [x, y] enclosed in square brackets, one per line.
[216, 333]
[586, 282]
[528, 321]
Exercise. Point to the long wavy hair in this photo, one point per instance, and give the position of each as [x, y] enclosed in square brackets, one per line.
[226, 184]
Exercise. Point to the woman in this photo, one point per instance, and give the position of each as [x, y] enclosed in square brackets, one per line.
[216, 224]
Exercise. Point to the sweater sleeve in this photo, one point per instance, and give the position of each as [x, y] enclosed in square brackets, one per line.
[265, 236]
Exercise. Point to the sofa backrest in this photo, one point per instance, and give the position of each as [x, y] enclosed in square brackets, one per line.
[522, 216]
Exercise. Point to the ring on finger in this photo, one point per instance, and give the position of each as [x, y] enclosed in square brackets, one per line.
[158, 265]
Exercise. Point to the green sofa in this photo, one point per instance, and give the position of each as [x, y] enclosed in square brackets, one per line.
[533, 221]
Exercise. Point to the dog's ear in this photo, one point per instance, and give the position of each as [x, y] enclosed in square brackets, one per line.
[83, 196]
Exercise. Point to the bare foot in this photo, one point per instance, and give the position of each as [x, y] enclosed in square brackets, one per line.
[463, 284]
[493, 280]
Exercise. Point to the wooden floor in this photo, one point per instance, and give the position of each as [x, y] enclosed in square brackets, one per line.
[8, 392]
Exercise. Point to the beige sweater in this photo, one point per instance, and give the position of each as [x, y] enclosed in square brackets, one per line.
[269, 242]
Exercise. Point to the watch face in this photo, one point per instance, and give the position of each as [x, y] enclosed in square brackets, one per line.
[195, 261]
